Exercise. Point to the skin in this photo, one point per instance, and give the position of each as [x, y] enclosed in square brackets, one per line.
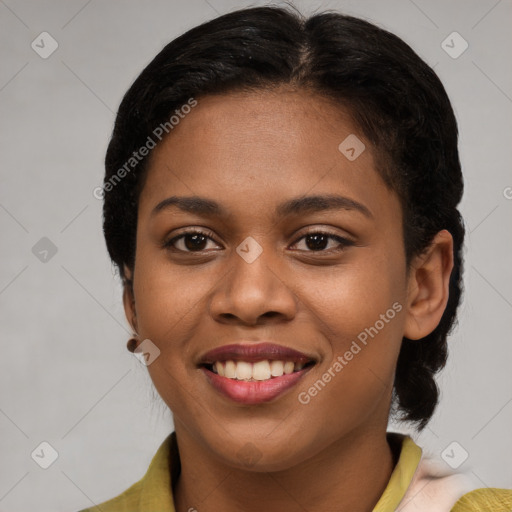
[250, 152]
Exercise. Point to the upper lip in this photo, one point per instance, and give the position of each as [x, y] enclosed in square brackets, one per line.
[252, 352]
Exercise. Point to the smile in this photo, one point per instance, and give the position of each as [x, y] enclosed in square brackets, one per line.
[254, 373]
[259, 371]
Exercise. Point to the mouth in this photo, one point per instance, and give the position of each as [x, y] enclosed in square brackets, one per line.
[254, 373]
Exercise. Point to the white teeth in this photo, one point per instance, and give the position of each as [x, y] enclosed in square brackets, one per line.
[288, 367]
[230, 370]
[261, 370]
[276, 368]
[243, 370]
[219, 368]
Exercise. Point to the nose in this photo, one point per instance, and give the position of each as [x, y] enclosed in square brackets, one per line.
[254, 292]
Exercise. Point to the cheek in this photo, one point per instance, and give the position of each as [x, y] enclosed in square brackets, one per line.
[356, 381]
[349, 299]
[169, 299]
[361, 313]
[170, 304]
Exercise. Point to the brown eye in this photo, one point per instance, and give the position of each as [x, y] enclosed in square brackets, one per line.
[318, 241]
[189, 241]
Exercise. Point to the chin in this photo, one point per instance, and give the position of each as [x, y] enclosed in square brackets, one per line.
[262, 454]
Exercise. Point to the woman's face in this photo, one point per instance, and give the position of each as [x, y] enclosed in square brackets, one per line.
[275, 264]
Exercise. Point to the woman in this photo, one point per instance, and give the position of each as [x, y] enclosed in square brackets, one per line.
[281, 201]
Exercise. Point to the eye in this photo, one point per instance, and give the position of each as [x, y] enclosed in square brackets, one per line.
[189, 241]
[318, 241]
[315, 241]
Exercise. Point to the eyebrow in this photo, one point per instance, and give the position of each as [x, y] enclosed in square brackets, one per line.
[299, 205]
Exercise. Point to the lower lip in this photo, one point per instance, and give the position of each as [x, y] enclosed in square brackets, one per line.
[253, 392]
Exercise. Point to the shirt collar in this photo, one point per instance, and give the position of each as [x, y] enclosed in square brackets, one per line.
[156, 491]
[402, 475]
[164, 469]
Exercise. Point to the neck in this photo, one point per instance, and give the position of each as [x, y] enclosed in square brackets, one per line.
[348, 475]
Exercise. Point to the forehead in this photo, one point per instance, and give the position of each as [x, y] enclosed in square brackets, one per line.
[256, 147]
[295, 122]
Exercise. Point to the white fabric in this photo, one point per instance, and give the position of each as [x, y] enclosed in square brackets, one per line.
[435, 488]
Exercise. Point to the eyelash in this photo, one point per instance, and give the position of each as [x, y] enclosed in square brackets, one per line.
[169, 244]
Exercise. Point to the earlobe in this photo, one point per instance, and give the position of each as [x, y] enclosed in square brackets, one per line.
[129, 299]
[428, 289]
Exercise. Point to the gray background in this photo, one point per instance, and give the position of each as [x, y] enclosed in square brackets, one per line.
[65, 375]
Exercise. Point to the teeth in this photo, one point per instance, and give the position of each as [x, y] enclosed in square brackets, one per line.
[230, 370]
[288, 367]
[219, 368]
[261, 370]
[276, 368]
[243, 370]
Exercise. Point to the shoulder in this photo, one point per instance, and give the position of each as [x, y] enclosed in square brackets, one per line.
[154, 490]
[436, 488]
[497, 500]
[128, 501]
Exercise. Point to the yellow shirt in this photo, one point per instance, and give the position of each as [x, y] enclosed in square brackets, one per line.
[413, 486]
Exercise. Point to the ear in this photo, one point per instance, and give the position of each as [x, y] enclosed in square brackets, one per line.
[129, 299]
[428, 287]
